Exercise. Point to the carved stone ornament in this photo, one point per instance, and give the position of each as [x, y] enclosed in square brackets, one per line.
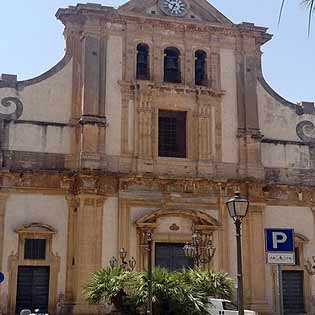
[174, 227]
[306, 131]
[11, 108]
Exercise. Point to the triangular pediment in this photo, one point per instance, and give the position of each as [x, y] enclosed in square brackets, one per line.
[196, 10]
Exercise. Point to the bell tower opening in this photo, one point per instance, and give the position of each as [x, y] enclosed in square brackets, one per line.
[143, 69]
[200, 68]
[172, 72]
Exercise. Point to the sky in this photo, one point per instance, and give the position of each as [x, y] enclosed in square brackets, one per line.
[31, 39]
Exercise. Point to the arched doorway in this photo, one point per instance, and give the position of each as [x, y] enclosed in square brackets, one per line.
[171, 229]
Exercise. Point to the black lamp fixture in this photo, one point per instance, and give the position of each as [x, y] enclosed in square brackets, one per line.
[238, 207]
[129, 265]
[201, 249]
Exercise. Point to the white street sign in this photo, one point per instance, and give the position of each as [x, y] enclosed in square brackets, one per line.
[281, 258]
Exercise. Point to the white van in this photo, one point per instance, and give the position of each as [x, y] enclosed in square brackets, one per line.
[225, 307]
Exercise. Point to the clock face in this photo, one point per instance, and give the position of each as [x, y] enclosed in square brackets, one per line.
[174, 7]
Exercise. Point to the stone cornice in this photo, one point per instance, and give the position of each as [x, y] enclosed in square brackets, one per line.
[151, 86]
[109, 14]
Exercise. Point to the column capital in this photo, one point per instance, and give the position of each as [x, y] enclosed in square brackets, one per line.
[73, 201]
[91, 200]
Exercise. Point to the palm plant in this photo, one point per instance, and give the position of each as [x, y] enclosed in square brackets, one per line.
[184, 293]
[215, 284]
[172, 294]
[111, 286]
[310, 4]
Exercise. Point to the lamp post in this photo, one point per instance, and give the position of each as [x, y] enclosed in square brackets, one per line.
[149, 242]
[129, 265]
[238, 208]
[201, 249]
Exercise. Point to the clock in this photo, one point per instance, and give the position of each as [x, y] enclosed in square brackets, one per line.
[174, 7]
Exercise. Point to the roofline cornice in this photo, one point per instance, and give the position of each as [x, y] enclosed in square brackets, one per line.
[109, 14]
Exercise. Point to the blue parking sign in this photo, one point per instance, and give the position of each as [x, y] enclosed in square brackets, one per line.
[279, 240]
[1, 277]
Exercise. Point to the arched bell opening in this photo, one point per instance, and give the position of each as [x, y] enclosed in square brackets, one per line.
[172, 71]
[201, 68]
[143, 68]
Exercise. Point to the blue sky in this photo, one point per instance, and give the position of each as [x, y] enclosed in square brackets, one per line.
[31, 40]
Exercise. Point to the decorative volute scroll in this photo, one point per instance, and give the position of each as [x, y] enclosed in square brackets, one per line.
[11, 108]
[306, 131]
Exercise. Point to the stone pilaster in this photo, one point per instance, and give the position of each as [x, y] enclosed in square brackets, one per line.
[215, 74]
[89, 49]
[254, 259]
[247, 100]
[224, 233]
[85, 237]
[123, 224]
[144, 131]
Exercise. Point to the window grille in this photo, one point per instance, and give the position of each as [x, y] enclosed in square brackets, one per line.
[35, 249]
[172, 134]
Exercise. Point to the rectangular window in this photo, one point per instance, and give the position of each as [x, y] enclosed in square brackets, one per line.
[172, 134]
[35, 249]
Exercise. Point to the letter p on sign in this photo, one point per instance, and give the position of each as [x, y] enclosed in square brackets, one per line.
[279, 240]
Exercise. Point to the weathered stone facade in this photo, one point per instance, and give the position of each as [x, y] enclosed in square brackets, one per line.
[80, 164]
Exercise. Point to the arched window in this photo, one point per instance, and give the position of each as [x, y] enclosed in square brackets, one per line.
[200, 68]
[172, 65]
[143, 69]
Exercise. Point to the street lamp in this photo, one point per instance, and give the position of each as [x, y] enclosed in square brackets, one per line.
[149, 241]
[129, 265]
[201, 249]
[238, 208]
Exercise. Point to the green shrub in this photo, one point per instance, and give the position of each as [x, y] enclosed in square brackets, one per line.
[184, 293]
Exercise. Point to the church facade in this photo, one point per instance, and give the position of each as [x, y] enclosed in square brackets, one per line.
[155, 116]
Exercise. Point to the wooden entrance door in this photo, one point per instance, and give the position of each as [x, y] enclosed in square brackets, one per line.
[293, 292]
[171, 256]
[32, 289]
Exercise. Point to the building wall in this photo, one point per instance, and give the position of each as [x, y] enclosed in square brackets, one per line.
[301, 219]
[278, 121]
[29, 208]
[82, 154]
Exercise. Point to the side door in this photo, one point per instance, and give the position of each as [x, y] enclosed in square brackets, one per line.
[293, 292]
[32, 288]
